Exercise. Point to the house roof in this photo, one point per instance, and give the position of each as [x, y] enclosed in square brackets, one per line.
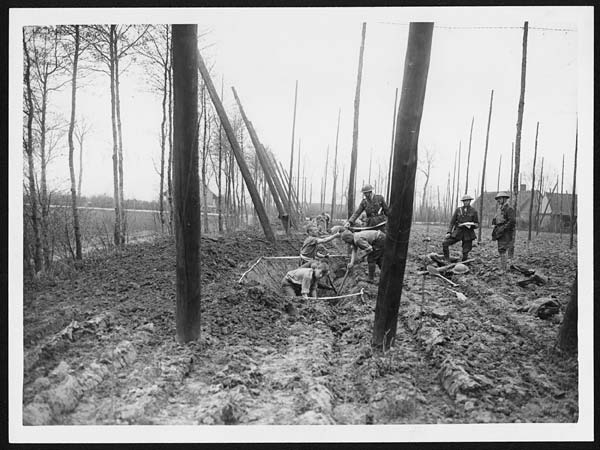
[555, 200]
[489, 202]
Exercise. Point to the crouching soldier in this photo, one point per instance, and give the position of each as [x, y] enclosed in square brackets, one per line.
[313, 248]
[504, 228]
[371, 242]
[462, 228]
[304, 280]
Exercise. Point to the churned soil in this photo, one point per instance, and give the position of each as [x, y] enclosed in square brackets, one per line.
[100, 348]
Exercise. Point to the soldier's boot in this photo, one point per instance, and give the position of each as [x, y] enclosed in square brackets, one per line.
[446, 251]
[465, 256]
[371, 267]
[503, 262]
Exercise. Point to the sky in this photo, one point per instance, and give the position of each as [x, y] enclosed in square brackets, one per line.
[263, 52]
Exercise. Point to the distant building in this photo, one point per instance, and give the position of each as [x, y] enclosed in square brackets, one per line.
[550, 215]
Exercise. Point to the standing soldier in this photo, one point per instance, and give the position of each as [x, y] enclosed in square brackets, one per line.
[504, 228]
[462, 228]
[373, 205]
[371, 242]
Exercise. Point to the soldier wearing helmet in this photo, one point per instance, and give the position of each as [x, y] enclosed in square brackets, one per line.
[504, 228]
[374, 207]
[371, 243]
[462, 227]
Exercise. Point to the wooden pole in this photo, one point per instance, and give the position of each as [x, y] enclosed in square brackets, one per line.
[414, 83]
[499, 170]
[262, 159]
[353, 155]
[389, 177]
[458, 175]
[298, 193]
[537, 127]
[469, 156]
[574, 186]
[512, 159]
[540, 193]
[452, 192]
[324, 181]
[292, 151]
[258, 204]
[562, 181]
[220, 176]
[520, 123]
[487, 138]
[335, 164]
[186, 182]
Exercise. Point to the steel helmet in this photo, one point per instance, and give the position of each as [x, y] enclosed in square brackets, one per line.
[366, 188]
[460, 268]
[466, 197]
[501, 194]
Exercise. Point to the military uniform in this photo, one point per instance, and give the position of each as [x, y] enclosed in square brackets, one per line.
[462, 214]
[375, 208]
[504, 229]
[371, 241]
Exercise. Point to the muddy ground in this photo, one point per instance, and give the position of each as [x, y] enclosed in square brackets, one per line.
[100, 348]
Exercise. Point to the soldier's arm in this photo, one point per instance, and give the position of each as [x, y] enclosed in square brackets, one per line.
[328, 238]
[359, 210]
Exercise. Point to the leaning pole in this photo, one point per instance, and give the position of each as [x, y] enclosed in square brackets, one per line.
[237, 151]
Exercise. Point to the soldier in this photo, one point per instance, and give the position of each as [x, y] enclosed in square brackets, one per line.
[304, 280]
[504, 228]
[373, 205]
[371, 242]
[312, 247]
[462, 225]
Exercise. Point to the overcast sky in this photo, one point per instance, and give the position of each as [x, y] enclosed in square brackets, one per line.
[262, 52]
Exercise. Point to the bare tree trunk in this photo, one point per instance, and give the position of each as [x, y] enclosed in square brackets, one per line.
[220, 176]
[44, 203]
[115, 156]
[520, 123]
[574, 186]
[335, 165]
[37, 255]
[532, 184]
[76, 229]
[186, 181]
[414, 82]
[292, 151]
[170, 158]
[353, 155]
[80, 142]
[389, 176]
[120, 136]
[487, 138]
[324, 181]
[451, 210]
[163, 138]
[258, 205]
[469, 156]
[205, 135]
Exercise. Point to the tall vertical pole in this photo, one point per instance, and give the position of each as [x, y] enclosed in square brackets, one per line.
[335, 164]
[574, 186]
[469, 156]
[499, 170]
[562, 181]
[389, 177]
[452, 192]
[292, 152]
[414, 83]
[298, 193]
[458, 175]
[520, 122]
[512, 159]
[186, 182]
[324, 189]
[537, 127]
[487, 138]
[353, 156]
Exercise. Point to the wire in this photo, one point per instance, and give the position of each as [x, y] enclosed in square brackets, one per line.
[484, 28]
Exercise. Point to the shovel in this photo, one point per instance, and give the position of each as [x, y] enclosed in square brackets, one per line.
[436, 271]
[343, 281]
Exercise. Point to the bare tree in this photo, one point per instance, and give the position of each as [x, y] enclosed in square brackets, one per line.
[428, 162]
[469, 157]
[520, 122]
[82, 129]
[335, 168]
[537, 127]
[574, 186]
[487, 137]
